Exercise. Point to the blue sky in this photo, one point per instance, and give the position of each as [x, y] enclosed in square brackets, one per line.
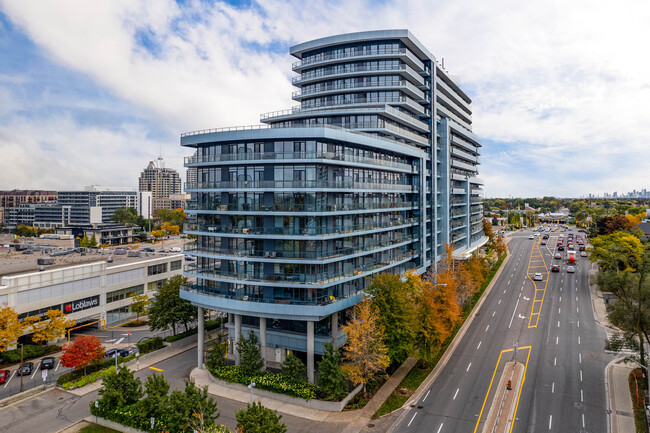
[91, 91]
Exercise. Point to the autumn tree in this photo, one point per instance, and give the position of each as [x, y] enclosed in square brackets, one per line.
[365, 351]
[139, 304]
[170, 229]
[394, 302]
[158, 234]
[52, 327]
[83, 351]
[10, 327]
[608, 225]
[487, 229]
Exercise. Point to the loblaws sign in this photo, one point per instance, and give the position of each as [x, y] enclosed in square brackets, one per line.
[81, 304]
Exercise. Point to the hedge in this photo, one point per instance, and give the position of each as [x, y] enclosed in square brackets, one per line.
[150, 345]
[30, 351]
[267, 380]
[209, 326]
[89, 378]
[92, 368]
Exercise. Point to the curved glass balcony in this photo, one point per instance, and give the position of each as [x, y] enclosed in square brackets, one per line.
[297, 184]
[312, 207]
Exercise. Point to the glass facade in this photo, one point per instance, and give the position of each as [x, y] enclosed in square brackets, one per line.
[373, 172]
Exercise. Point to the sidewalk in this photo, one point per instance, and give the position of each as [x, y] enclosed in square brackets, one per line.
[356, 420]
[621, 411]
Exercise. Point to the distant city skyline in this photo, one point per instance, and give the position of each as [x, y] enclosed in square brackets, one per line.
[90, 90]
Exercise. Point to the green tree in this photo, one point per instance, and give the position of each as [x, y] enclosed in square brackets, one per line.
[93, 241]
[395, 304]
[167, 309]
[84, 241]
[24, 231]
[193, 409]
[120, 389]
[249, 353]
[175, 217]
[216, 356]
[259, 419]
[156, 402]
[125, 215]
[331, 379]
[139, 304]
[293, 367]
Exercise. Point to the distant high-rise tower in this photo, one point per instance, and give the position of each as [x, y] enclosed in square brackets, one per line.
[161, 182]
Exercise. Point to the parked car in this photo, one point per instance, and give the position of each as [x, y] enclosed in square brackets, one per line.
[4, 375]
[129, 351]
[538, 276]
[175, 249]
[47, 363]
[28, 368]
[112, 353]
[190, 259]
[148, 250]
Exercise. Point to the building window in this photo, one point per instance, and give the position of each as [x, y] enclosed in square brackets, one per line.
[118, 295]
[155, 285]
[175, 265]
[157, 269]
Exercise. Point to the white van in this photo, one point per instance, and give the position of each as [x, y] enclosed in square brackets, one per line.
[175, 250]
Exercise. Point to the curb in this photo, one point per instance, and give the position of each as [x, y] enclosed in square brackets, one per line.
[452, 346]
[8, 401]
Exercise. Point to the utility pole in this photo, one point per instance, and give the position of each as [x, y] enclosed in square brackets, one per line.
[21, 367]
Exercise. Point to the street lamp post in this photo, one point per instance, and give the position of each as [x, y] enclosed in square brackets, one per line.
[251, 386]
[21, 367]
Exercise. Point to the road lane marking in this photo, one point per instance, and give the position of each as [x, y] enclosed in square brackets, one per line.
[553, 388]
[578, 323]
[504, 291]
[578, 339]
[499, 301]
[119, 340]
[580, 375]
[57, 365]
[409, 424]
[12, 376]
[558, 323]
[456, 394]
[494, 313]
[583, 420]
[576, 299]
[425, 397]
[582, 398]
[550, 422]
[580, 358]
[560, 298]
[441, 424]
[577, 310]
[508, 282]
[488, 327]
[35, 370]
[555, 361]
[479, 345]
[157, 369]
[519, 295]
[470, 364]
[559, 310]
[513, 313]
[557, 340]
[521, 385]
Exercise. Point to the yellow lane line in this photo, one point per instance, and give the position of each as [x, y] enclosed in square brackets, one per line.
[529, 348]
[157, 369]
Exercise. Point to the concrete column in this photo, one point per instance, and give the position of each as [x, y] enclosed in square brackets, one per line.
[310, 351]
[263, 340]
[230, 336]
[200, 337]
[237, 337]
[335, 329]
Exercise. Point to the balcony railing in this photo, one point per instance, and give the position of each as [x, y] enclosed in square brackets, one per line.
[349, 69]
[299, 184]
[320, 278]
[322, 57]
[305, 231]
[314, 207]
[261, 156]
[302, 255]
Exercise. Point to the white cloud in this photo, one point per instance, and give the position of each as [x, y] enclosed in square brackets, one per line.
[563, 85]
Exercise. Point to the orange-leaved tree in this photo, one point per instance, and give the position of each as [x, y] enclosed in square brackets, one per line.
[438, 309]
[365, 352]
[10, 327]
[83, 351]
[52, 327]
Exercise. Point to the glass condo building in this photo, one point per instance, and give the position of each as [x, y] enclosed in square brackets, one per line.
[374, 171]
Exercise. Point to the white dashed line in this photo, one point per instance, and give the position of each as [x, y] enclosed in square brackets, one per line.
[580, 358]
[425, 397]
[553, 388]
[499, 301]
[560, 298]
[583, 420]
[470, 364]
[555, 361]
[504, 291]
[582, 397]
[456, 394]
[558, 323]
[409, 424]
[479, 345]
[557, 340]
[577, 310]
[440, 428]
[550, 421]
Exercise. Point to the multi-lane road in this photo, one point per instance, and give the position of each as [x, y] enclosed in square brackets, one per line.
[552, 323]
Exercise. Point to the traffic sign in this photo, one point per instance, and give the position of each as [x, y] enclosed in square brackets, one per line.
[44, 375]
[515, 344]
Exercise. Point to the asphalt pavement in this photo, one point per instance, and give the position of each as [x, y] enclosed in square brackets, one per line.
[551, 322]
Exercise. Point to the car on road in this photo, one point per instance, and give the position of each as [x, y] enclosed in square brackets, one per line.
[111, 353]
[4, 375]
[583, 253]
[545, 236]
[560, 247]
[28, 368]
[555, 268]
[190, 259]
[47, 363]
[538, 276]
[148, 250]
[543, 243]
[570, 269]
[581, 247]
[175, 250]
[531, 237]
[557, 256]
